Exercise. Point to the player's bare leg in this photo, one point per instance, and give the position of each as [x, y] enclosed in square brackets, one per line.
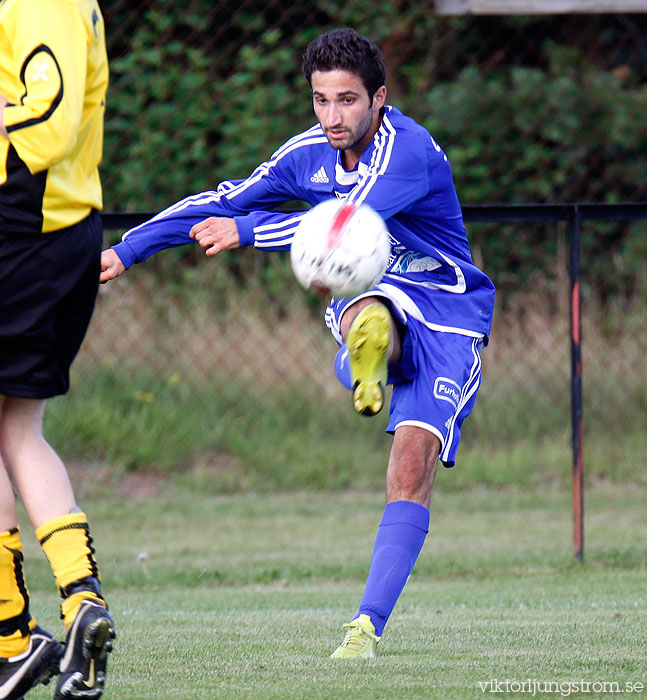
[35, 469]
[28, 654]
[44, 487]
[8, 513]
[412, 465]
[372, 341]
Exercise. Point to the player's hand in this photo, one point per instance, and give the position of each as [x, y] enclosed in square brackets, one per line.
[111, 266]
[215, 234]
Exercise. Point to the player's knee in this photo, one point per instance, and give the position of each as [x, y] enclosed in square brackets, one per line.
[351, 312]
[411, 474]
[20, 420]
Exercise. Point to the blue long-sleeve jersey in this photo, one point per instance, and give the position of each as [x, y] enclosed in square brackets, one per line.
[403, 174]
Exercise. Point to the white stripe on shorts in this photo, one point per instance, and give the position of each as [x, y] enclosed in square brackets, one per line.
[425, 426]
[469, 388]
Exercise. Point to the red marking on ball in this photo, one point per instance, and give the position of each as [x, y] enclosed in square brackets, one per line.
[319, 288]
[342, 217]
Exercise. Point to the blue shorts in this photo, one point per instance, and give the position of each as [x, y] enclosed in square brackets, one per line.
[444, 371]
[436, 381]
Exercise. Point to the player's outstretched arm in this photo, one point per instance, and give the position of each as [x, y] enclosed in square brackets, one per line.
[215, 234]
[111, 266]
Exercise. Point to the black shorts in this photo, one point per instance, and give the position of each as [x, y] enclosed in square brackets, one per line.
[48, 286]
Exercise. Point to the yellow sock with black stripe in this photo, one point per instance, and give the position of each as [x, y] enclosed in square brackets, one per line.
[15, 620]
[67, 544]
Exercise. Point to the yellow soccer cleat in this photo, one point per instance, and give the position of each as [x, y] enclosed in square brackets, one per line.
[368, 347]
[360, 641]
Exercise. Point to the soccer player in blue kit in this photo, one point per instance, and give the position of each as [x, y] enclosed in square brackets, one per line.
[421, 328]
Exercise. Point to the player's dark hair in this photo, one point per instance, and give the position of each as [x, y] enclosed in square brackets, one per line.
[345, 49]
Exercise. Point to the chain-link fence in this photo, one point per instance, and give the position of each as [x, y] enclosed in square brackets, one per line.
[529, 109]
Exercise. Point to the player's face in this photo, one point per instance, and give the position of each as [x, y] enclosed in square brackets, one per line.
[346, 114]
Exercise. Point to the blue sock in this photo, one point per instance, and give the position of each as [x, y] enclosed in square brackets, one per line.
[398, 542]
[342, 367]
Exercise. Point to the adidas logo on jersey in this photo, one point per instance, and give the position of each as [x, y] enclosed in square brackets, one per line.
[320, 177]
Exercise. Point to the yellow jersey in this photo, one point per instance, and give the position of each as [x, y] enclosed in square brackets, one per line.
[54, 73]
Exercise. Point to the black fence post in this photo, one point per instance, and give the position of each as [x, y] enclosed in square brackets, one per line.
[576, 380]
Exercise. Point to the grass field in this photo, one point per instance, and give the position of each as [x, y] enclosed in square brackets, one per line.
[243, 596]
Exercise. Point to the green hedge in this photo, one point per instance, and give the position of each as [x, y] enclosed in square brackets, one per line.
[199, 95]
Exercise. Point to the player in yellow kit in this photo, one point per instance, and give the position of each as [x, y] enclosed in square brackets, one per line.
[53, 81]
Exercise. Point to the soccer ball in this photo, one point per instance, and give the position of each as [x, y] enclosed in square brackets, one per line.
[340, 248]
